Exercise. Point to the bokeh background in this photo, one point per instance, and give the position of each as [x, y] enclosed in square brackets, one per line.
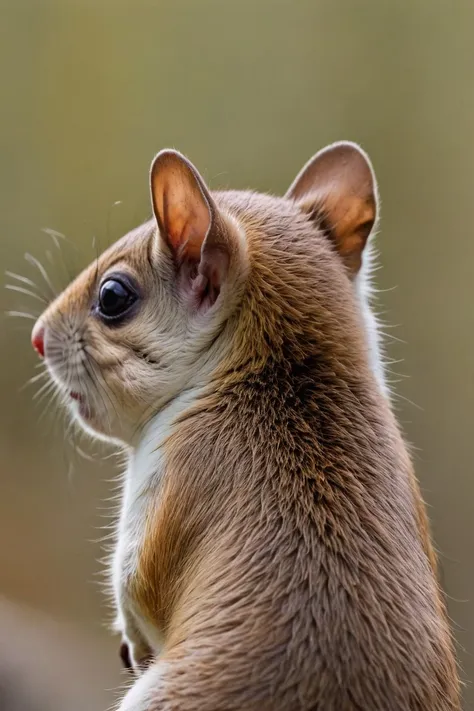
[90, 90]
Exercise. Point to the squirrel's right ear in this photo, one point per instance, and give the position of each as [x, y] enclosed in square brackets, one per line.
[190, 225]
[338, 188]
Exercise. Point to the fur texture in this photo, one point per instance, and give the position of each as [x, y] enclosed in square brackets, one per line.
[273, 551]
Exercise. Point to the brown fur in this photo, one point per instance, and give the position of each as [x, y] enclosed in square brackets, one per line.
[287, 559]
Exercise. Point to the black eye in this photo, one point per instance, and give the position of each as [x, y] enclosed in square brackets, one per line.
[115, 298]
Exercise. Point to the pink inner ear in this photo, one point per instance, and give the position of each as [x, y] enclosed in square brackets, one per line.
[185, 216]
[191, 238]
[189, 224]
[338, 184]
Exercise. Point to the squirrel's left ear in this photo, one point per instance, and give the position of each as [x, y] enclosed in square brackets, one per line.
[338, 187]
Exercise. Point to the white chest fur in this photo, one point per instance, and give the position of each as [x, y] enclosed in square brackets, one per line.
[142, 482]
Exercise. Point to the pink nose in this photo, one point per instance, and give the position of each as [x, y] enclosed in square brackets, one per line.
[37, 339]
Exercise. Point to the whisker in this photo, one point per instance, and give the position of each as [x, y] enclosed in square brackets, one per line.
[398, 396]
[21, 290]
[83, 454]
[50, 385]
[33, 380]
[21, 314]
[391, 337]
[71, 437]
[36, 263]
[23, 279]
[54, 234]
[56, 237]
[69, 274]
[55, 395]
[51, 408]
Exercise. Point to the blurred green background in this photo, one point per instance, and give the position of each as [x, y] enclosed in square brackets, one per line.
[91, 89]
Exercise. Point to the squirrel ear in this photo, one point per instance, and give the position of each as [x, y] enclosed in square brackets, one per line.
[182, 205]
[190, 225]
[338, 188]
